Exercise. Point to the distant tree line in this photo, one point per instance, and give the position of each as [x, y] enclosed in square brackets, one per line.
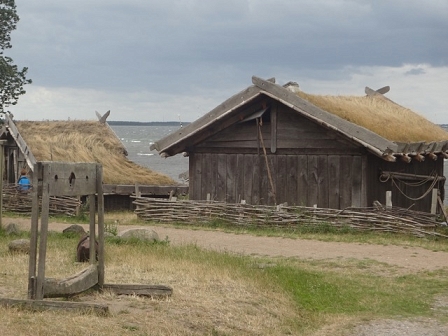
[149, 123]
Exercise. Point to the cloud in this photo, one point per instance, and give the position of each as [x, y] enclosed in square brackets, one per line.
[107, 52]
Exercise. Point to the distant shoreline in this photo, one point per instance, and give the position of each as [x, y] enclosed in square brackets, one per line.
[148, 123]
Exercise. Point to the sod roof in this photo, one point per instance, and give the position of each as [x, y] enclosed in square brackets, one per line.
[381, 116]
[87, 141]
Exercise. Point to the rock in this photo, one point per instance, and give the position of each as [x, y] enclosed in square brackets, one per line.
[75, 228]
[19, 246]
[12, 229]
[141, 234]
[83, 249]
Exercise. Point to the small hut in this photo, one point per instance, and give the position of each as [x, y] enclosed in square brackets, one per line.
[271, 144]
[80, 141]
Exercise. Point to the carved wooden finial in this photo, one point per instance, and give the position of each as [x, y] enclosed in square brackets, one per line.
[102, 119]
[381, 91]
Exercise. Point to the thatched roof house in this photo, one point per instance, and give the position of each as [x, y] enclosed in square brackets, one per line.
[272, 144]
[87, 141]
[26, 142]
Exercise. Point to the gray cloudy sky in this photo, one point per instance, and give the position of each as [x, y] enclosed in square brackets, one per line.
[148, 60]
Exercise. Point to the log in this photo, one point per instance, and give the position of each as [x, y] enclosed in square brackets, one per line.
[139, 290]
[76, 284]
[38, 305]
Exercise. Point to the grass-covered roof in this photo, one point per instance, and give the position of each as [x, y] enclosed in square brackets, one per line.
[87, 141]
[381, 116]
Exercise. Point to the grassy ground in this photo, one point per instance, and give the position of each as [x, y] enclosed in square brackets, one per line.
[224, 294]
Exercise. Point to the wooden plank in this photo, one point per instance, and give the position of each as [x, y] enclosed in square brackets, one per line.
[75, 284]
[364, 178]
[313, 181]
[345, 187]
[29, 157]
[256, 185]
[274, 128]
[231, 178]
[155, 291]
[356, 181]
[249, 178]
[334, 182]
[205, 176]
[100, 211]
[221, 168]
[38, 305]
[92, 213]
[302, 180]
[310, 144]
[291, 179]
[43, 231]
[129, 189]
[281, 177]
[32, 266]
[71, 179]
[434, 201]
[223, 144]
[264, 180]
[323, 181]
[196, 173]
[272, 181]
[239, 178]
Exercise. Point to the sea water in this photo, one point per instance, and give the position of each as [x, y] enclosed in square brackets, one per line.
[138, 139]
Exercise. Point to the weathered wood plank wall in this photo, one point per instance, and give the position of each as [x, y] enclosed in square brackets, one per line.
[325, 180]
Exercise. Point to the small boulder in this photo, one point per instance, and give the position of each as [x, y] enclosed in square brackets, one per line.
[19, 246]
[12, 229]
[83, 249]
[74, 229]
[141, 234]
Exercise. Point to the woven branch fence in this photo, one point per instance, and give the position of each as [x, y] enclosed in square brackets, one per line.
[18, 201]
[378, 218]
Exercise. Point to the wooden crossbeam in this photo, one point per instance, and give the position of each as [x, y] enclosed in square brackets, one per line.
[38, 305]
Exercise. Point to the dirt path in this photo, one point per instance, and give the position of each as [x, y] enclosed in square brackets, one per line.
[408, 259]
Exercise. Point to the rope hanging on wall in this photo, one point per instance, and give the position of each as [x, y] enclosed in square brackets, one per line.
[395, 180]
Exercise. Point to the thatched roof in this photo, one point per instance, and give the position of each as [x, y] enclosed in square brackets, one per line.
[86, 141]
[384, 128]
[381, 116]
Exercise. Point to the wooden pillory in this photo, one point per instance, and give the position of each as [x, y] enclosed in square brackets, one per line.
[70, 179]
[65, 179]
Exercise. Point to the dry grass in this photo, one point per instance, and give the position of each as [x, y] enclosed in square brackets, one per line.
[209, 297]
[87, 141]
[381, 116]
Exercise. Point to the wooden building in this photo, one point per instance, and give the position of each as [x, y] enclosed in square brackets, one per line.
[271, 144]
[26, 142]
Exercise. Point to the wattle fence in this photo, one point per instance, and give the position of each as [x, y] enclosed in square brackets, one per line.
[18, 201]
[378, 218]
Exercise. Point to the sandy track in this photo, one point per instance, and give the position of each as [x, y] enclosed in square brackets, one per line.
[409, 259]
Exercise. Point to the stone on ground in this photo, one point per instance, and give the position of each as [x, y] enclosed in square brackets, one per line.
[75, 228]
[141, 234]
[19, 246]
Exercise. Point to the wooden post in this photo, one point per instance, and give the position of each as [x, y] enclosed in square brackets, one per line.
[34, 232]
[43, 233]
[137, 190]
[2, 159]
[100, 201]
[92, 207]
[389, 199]
[434, 201]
